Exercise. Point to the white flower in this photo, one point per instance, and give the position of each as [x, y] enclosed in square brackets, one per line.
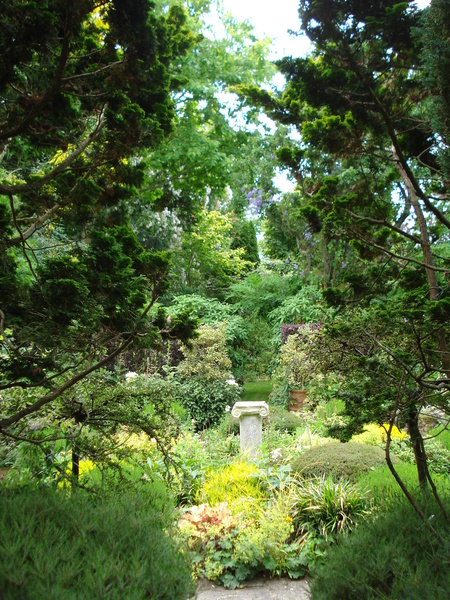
[130, 375]
[231, 382]
[276, 454]
[227, 408]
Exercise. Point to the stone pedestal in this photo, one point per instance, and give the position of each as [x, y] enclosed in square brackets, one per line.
[250, 415]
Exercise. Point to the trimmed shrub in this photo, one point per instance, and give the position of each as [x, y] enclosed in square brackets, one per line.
[341, 461]
[86, 546]
[390, 555]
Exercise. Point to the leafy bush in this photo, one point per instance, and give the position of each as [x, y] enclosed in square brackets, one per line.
[327, 507]
[438, 456]
[206, 400]
[390, 555]
[236, 480]
[341, 461]
[89, 547]
[232, 548]
[298, 359]
[211, 311]
[283, 420]
[207, 359]
[306, 305]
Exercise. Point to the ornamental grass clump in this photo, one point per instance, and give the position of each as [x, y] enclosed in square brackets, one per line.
[327, 507]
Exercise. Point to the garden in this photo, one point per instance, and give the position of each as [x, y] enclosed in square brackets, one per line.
[186, 224]
[172, 500]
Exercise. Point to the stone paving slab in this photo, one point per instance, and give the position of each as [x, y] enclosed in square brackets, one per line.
[258, 589]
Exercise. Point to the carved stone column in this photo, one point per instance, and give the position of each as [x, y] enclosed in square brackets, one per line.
[250, 415]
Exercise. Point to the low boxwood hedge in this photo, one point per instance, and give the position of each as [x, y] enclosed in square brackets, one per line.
[340, 460]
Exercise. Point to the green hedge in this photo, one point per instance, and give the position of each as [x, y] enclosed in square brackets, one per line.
[86, 547]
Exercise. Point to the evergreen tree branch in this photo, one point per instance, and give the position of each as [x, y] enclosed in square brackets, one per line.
[34, 185]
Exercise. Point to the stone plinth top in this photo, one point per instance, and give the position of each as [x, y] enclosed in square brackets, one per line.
[250, 409]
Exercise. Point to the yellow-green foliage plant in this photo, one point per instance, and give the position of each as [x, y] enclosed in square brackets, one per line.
[233, 548]
[230, 483]
[375, 435]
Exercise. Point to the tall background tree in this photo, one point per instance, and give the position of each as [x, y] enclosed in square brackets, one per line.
[371, 165]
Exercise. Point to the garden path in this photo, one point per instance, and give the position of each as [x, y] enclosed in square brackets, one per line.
[260, 588]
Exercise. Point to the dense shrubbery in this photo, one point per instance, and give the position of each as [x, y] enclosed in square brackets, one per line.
[390, 555]
[205, 400]
[205, 385]
[90, 547]
[232, 548]
[341, 461]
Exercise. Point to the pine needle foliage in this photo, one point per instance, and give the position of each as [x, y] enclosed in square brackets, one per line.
[85, 547]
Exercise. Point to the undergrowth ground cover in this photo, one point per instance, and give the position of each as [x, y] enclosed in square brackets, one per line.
[307, 506]
[228, 518]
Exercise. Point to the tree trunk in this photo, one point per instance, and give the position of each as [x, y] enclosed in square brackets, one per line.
[427, 259]
[417, 444]
[326, 264]
[75, 465]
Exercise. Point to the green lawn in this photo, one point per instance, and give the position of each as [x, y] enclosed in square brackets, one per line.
[257, 390]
